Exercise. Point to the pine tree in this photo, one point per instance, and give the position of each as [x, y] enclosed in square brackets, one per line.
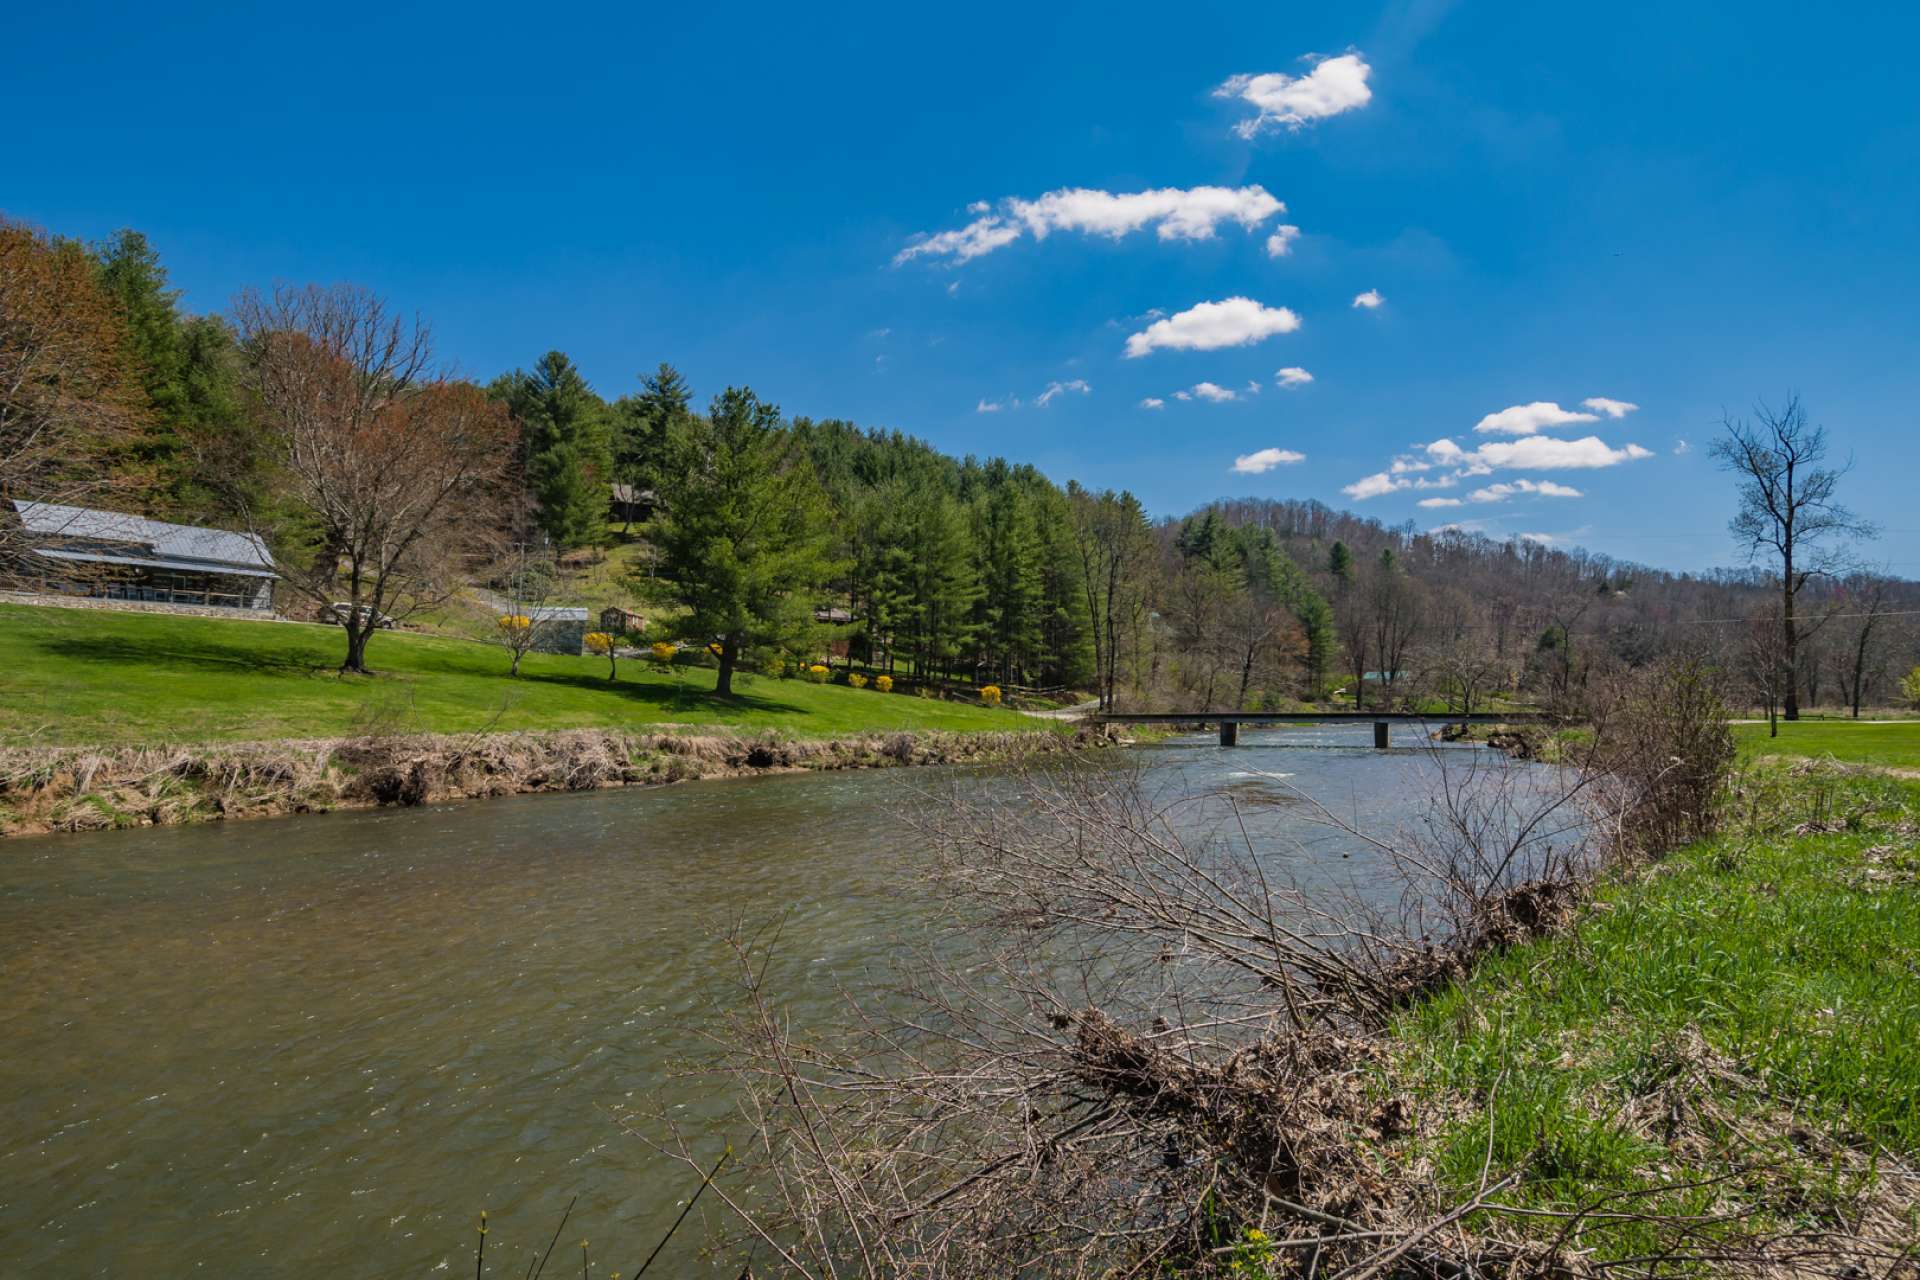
[743, 539]
[564, 449]
[644, 426]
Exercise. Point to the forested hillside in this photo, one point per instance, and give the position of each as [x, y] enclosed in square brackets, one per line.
[770, 536]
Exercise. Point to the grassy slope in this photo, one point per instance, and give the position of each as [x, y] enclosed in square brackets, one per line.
[1861, 742]
[1752, 999]
[88, 676]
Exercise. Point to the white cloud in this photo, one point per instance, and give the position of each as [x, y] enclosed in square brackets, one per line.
[1368, 300]
[1282, 101]
[1264, 460]
[1438, 502]
[1209, 326]
[1681, 448]
[1292, 376]
[1544, 539]
[1550, 453]
[1526, 419]
[1153, 402]
[1193, 213]
[991, 406]
[1373, 486]
[1212, 391]
[1253, 386]
[1280, 243]
[1055, 389]
[1541, 488]
[1612, 408]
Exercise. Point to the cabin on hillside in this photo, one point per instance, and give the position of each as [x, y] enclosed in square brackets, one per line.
[630, 504]
[110, 555]
[616, 621]
[558, 630]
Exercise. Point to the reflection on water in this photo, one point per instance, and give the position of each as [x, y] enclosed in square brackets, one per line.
[322, 1045]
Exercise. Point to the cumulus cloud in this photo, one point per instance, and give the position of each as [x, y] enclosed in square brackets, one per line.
[1372, 486]
[1550, 453]
[1544, 539]
[1264, 460]
[1526, 419]
[1153, 402]
[1280, 243]
[1292, 376]
[1438, 502]
[1209, 326]
[1335, 85]
[1056, 389]
[1540, 488]
[1193, 213]
[1611, 408]
[1368, 300]
[1211, 391]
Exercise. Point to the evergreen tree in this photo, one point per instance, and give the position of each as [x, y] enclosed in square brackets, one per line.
[743, 538]
[564, 448]
[644, 426]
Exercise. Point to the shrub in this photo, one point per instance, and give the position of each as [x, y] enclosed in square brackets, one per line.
[662, 652]
[990, 695]
[1910, 687]
[818, 673]
[513, 623]
[857, 680]
[775, 665]
[883, 683]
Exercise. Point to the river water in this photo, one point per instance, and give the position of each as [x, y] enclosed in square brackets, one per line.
[319, 1046]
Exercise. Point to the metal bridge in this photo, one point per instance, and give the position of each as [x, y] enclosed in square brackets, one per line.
[1230, 721]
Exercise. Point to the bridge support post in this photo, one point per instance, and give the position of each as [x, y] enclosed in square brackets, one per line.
[1380, 735]
[1229, 733]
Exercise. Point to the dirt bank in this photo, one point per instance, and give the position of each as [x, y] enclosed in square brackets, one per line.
[82, 789]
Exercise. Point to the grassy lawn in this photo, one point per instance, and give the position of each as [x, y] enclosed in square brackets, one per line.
[1861, 742]
[1752, 1001]
[87, 676]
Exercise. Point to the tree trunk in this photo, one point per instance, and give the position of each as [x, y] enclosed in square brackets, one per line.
[729, 651]
[1791, 634]
[357, 637]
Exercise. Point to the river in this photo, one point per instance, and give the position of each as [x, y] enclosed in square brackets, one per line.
[319, 1046]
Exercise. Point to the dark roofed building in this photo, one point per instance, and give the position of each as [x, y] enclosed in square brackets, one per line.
[114, 556]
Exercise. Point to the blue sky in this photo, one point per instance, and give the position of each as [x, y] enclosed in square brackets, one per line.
[1684, 208]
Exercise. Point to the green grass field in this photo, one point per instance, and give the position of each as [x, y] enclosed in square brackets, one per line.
[1856, 742]
[1751, 1002]
[78, 676]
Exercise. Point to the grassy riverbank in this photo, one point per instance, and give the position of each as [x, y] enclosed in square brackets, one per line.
[82, 676]
[1728, 1036]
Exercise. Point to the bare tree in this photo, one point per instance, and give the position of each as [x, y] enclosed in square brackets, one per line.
[385, 465]
[1788, 511]
[1764, 660]
[529, 574]
[1866, 599]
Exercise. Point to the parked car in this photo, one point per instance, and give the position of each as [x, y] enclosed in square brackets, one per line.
[340, 610]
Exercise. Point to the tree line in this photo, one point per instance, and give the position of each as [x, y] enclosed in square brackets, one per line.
[325, 420]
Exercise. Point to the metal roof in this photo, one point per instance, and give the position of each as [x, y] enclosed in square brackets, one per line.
[556, 613]
[176, 542]
[153, 562]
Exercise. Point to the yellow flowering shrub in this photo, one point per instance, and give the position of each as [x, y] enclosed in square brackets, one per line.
[600, 642]
[883, 683]
[714, 649]
[514, 623]
[990, 694]
[662, 651]
[817, 673]
[857, 680]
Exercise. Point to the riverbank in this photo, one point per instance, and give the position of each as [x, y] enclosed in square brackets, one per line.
[1714, 1057]
[45, 790]
[88, 677]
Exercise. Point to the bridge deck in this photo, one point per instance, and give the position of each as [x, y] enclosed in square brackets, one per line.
[1317, 717]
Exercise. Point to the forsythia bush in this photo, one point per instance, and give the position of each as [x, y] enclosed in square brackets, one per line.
[817, 673]
[883, 683]
[662, 651]
[714, 649]
[990, 694]
[514, 622]
[857, 680]
[600, 642]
